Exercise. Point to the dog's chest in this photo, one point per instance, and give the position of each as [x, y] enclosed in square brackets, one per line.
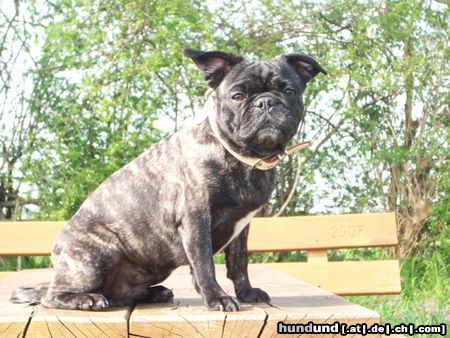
[225, 233]
[235, 199]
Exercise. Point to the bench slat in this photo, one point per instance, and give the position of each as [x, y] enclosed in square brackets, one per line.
[322, 232]
[349, 277]
[28, 238]
[266, 234]
[315, 234]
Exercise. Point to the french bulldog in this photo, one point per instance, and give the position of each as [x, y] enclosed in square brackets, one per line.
[185, 198]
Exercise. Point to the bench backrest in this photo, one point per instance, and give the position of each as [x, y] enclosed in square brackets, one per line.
[318, 234]
[314, 234]
[28, 238]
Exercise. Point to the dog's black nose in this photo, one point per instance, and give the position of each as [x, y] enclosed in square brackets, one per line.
[266, 102]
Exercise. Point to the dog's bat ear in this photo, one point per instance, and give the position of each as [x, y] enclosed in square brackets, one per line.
[306, 67]
[215, 65]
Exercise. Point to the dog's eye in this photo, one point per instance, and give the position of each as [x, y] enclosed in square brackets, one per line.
[290, 92]
[238, 97]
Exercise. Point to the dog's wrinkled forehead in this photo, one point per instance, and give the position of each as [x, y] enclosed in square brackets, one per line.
[222, 67]
[260, 74]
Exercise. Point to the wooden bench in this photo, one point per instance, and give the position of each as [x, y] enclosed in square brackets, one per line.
[293, 300]
[319, 234]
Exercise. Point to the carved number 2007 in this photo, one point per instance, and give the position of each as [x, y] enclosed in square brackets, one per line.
[340, 231]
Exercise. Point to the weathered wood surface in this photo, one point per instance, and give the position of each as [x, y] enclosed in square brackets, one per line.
[292, 302]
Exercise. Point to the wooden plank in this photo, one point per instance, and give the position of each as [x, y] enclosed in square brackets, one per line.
[266, 234]
[292, 300]
[293, 313]
[349, 277]
[68, 323]
[18, 319]
[28, 238]
[188, 317]
[322, 232]
[317, 256]
[14, 322]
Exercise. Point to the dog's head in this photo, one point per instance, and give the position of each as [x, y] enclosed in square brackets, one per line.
[258, 105]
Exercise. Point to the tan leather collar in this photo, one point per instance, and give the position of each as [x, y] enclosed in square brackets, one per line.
[265, 163]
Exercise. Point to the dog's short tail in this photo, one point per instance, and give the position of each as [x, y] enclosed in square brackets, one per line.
[29, 294]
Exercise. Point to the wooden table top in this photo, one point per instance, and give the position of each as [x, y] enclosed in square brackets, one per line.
[293, 301]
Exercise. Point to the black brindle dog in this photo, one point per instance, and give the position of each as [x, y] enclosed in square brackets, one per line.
[185, 198]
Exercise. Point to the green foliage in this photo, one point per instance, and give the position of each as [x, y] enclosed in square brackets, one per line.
[111, 72]
[359, 254]
[12, 263]
[436, 235]
[268, 257]
[107, 72]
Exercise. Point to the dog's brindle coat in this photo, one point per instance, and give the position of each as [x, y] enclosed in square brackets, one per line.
[184, 198]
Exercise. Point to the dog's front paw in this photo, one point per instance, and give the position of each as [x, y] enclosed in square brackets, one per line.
[252, 295]
[225, 303]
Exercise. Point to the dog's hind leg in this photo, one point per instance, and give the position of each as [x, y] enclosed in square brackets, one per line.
[78, 277]
[128, 284]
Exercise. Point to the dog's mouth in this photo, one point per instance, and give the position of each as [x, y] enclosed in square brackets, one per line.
[269, 152]
[267, 136]
[270, 142]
